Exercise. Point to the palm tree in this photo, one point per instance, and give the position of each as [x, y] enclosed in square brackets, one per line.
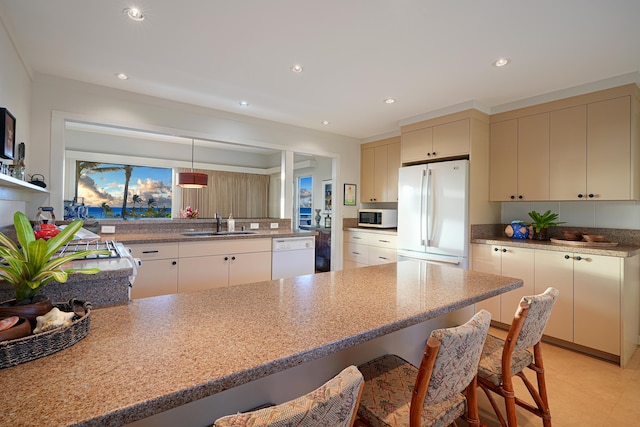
[136, 199]
[82, 168]
[106, 209]
[151, 203]
[128, 169]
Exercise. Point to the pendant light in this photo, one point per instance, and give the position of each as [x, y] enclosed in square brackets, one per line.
[192, 179]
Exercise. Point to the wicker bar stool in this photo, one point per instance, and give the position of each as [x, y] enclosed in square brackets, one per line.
[502, 360]
[396, 393]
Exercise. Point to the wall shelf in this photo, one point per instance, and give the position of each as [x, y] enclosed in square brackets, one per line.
[11, 182]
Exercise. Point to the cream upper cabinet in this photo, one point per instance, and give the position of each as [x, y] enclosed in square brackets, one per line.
[533, 157]
[609, 150]
[520, 159]
[439, 141]
[379, 164]
[568, 154]
[579, 148]
[503, 161]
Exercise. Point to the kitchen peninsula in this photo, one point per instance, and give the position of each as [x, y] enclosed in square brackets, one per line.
[166, 353]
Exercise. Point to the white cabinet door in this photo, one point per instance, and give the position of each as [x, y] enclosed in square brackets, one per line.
[156, 277]
[555, 269]
[204, 272]
[597, 302]
[249, 267]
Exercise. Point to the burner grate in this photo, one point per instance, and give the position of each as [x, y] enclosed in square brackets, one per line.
[73, 247]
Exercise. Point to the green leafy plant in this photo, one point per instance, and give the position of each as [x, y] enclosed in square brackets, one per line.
[30, 267]
[545, 220]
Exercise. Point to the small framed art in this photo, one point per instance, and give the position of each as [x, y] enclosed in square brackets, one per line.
[350, 194]
[327, 192]
[8, 132]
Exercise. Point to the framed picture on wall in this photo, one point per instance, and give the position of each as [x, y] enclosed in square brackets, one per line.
[327, 193]
[350, 194]
[8, 132]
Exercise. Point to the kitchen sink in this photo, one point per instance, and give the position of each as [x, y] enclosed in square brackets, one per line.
[216, 233]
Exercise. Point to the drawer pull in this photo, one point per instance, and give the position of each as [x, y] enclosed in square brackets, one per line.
[384, 241]
[150, 252]
[357, 238]
[383, 257]
[356, 253]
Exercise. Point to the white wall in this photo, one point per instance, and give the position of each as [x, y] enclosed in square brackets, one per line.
[15, 95]
[591, 214]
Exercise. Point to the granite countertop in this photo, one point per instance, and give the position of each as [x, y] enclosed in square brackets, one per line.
[618, 251]
[158, 353]
[170, 237]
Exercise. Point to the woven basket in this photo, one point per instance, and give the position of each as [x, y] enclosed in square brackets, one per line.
[14, 352]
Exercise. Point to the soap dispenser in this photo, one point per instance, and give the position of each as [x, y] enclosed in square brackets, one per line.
[231, 223]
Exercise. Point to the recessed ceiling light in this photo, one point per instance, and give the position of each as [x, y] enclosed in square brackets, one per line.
[501, 62]
[122, 76]
[244, 104]
[389, 101]
[134, 13]
[297, 68]
[325, 122]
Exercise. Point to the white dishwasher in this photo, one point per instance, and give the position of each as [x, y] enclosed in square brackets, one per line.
[293, 256]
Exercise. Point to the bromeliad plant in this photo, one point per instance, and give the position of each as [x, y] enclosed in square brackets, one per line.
[545, 220]
[30, 267]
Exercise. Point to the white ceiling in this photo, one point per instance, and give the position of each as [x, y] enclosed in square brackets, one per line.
[429, 55]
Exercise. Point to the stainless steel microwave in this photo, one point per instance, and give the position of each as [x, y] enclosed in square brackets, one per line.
[378, 218]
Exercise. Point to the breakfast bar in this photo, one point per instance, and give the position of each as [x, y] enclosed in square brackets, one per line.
[170, 352]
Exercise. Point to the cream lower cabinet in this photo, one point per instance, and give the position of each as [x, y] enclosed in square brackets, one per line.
[205, 265]
[598, 307]
[507, 261]
[362, 248]
[158, 274]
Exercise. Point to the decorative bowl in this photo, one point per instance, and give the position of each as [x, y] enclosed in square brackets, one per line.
[571, 235]
[21, 329]
[593, 237]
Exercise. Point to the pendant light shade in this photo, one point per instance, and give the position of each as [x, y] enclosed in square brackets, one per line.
[192, 179]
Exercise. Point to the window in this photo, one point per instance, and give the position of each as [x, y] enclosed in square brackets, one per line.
[100, 190]
[304, 201]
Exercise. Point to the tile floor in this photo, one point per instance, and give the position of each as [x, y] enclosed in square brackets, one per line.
[583, 391]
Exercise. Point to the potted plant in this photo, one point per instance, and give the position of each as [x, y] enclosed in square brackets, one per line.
[542, 222]
[29, 266]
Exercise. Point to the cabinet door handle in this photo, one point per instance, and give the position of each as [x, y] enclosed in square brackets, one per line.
[382, 257]
[580, 196]
[578, 258]
[174, 262]
[226, 258]
[357, 238]
[356, 253]
[504, 249]
[150, 252]
[434, 153]
[591, 196]
[567, 257]
[512, 197]
[233, 258]
[520, 197]
[384, 241]
[496, 249]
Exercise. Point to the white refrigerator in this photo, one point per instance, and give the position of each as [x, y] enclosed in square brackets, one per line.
[433, 212]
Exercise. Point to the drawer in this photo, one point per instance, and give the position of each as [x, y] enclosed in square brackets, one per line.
[378, 255]
[223, 247]
[389, 241]
[357, 253]
[357, 237]
[151, 251]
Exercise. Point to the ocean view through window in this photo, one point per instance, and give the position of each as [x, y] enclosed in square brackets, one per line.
[117, 191]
